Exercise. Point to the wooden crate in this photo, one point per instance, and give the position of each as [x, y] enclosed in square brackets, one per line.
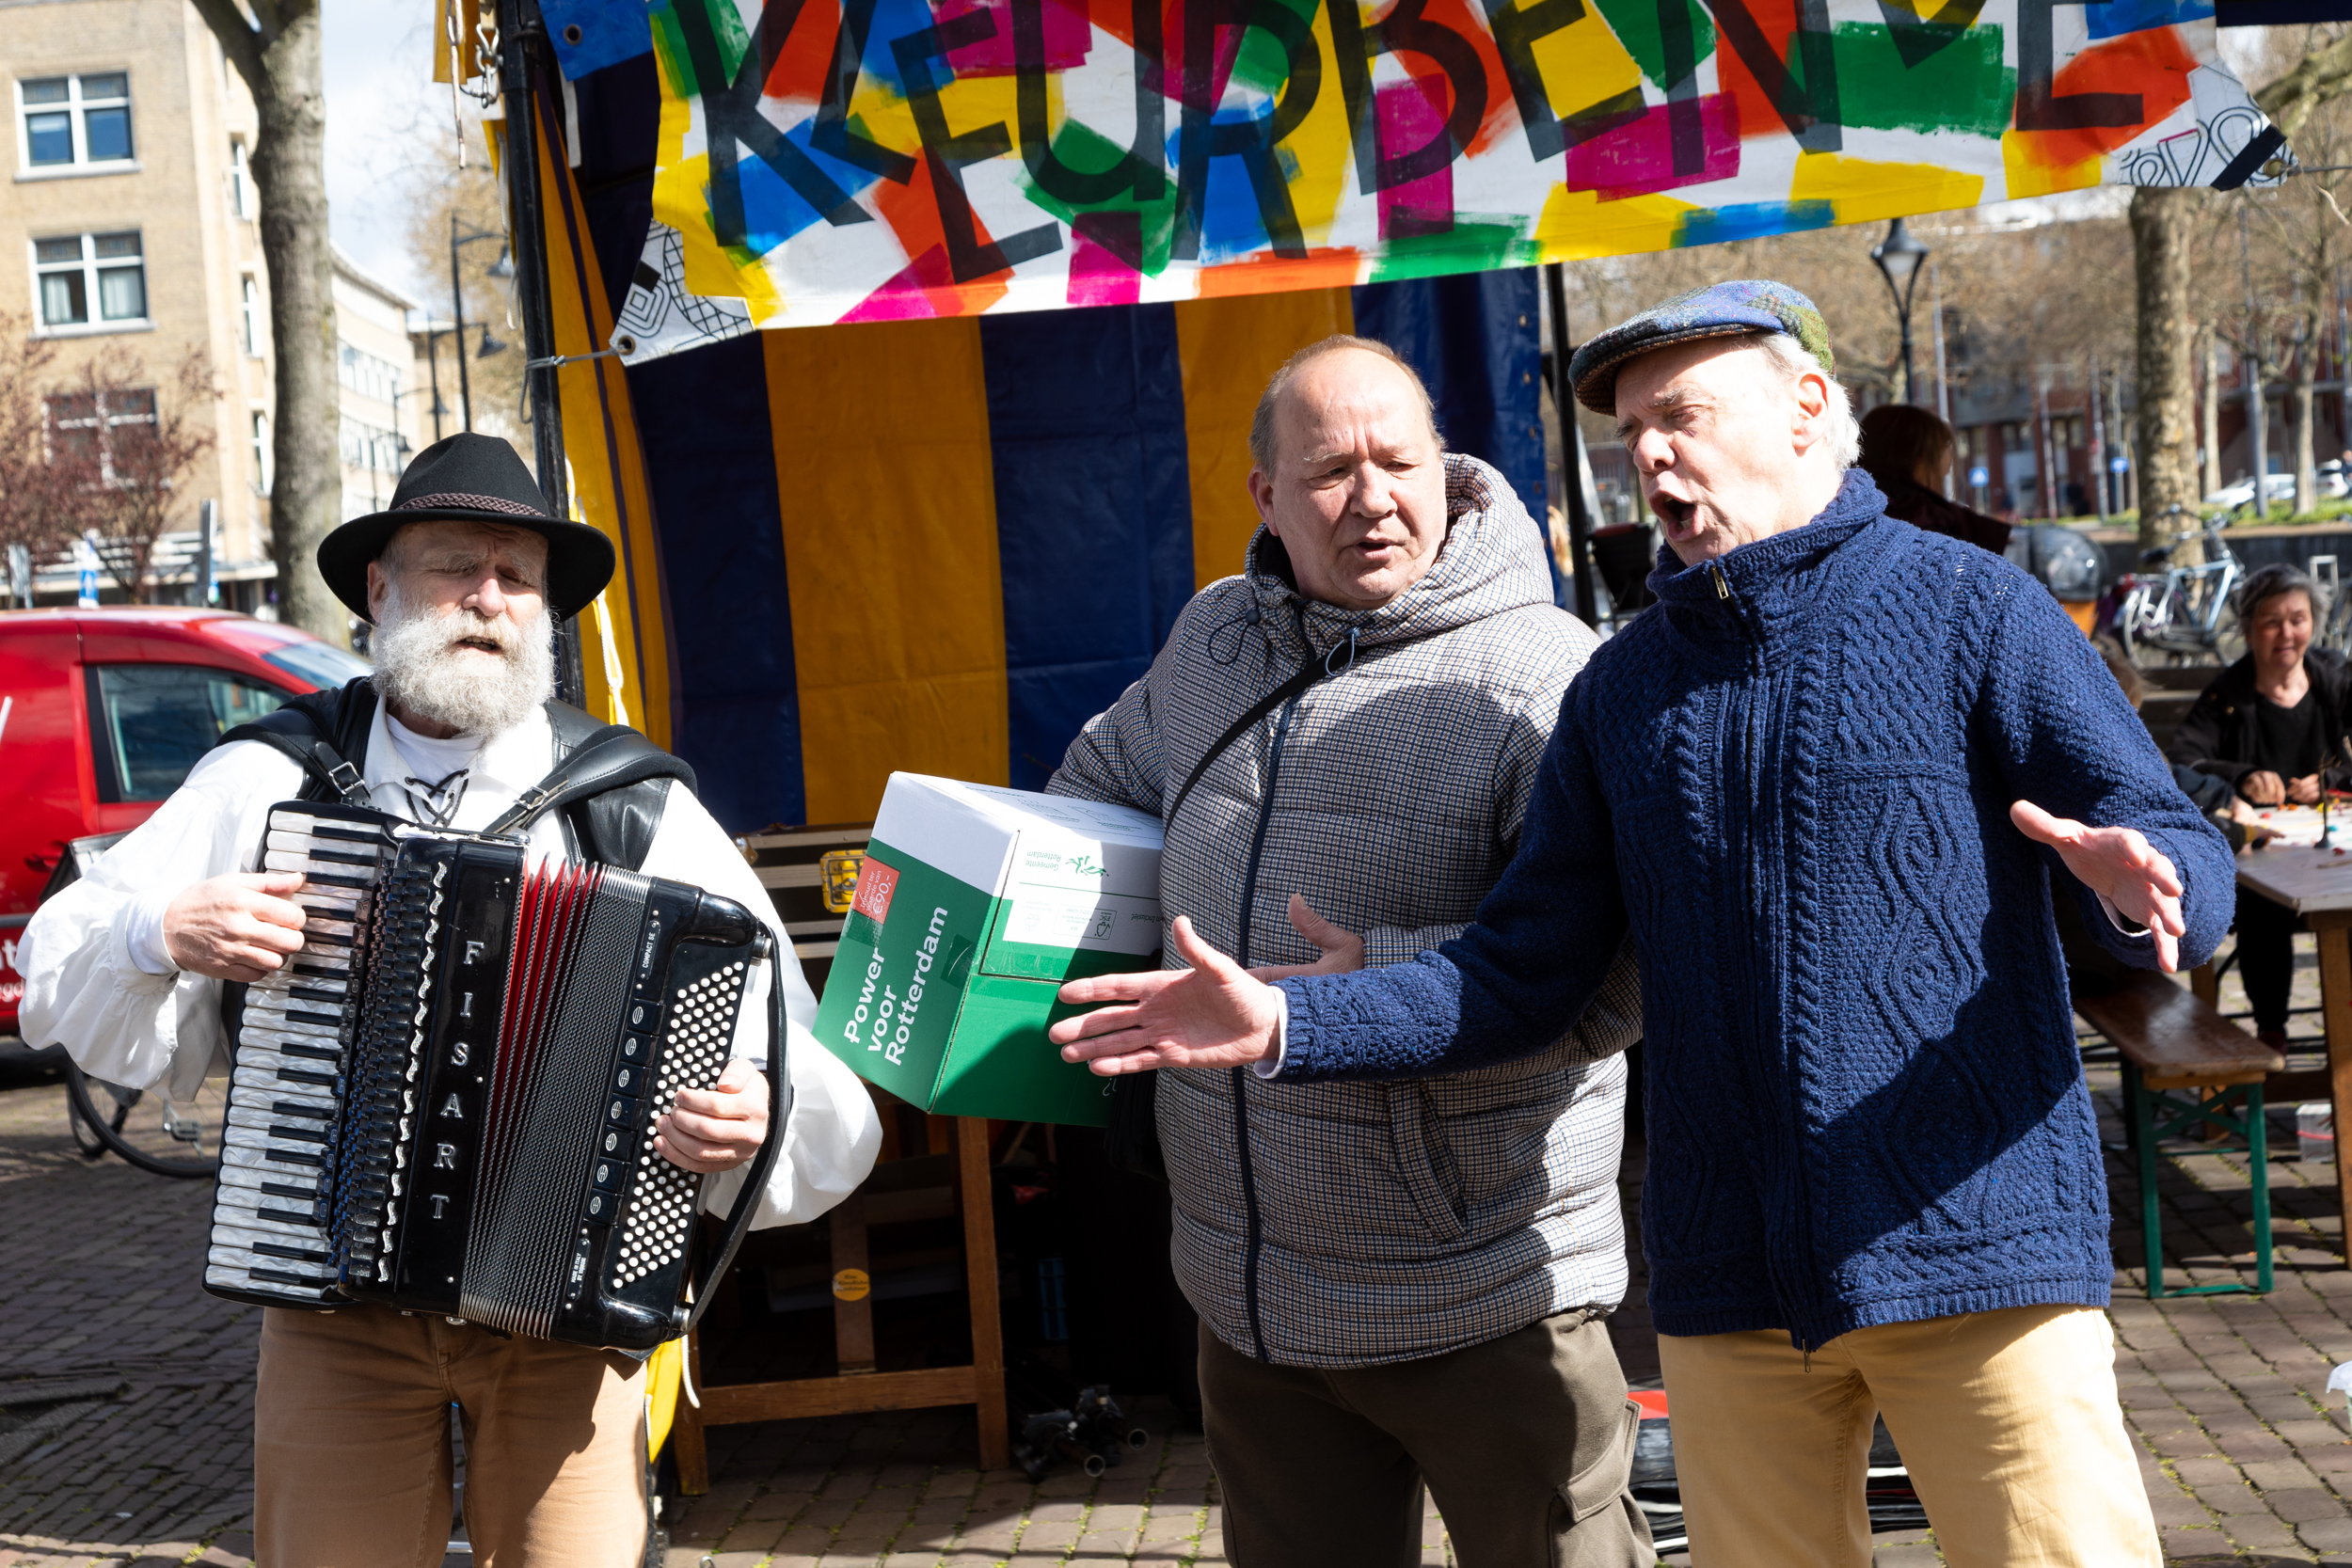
[810, 872]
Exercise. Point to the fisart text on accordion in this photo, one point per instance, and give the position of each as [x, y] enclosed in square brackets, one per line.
[445, 1101]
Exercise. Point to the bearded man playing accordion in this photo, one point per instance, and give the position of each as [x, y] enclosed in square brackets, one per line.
[464, 580]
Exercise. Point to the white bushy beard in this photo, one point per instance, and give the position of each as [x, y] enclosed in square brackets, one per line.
[420, 667]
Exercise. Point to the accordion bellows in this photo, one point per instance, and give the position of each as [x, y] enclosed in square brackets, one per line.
[445, 1101]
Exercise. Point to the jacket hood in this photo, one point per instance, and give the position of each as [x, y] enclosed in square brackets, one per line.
[1492, 561]
[1776, 587]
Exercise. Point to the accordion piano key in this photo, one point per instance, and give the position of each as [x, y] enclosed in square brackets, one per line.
[298, 1186]
[289, 1219]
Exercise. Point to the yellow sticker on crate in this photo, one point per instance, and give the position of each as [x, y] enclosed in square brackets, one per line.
[852, 1285]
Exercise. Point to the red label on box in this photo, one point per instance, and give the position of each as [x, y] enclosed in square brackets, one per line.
[876, 882]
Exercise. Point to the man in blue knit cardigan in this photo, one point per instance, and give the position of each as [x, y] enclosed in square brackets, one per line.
[1830, 784]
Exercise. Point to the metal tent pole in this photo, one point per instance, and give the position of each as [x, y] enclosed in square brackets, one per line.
[523, 57]
[1571, 448]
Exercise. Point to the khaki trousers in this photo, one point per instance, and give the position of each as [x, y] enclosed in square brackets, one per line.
[1526, 1443]
[2008, 1422]
[351, 1451]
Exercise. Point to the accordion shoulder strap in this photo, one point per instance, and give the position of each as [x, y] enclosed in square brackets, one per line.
[318, 731]
[612, 758]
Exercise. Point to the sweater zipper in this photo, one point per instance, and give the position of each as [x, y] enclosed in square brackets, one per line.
[1759, 745]
[1253, 1229]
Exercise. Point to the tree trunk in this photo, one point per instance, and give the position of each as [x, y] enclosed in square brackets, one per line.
[2210, 425]
[2306, 396]
[289, 173]
[2160, 220]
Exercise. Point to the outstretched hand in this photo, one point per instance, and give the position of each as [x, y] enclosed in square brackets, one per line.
[1215, 1014]
[2119, 864]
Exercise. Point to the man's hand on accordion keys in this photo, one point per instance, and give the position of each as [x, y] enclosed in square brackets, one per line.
[241, 927]
[719, 1127]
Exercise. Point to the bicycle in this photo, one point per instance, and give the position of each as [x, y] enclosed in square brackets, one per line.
[2185, 615]
[178, 1138]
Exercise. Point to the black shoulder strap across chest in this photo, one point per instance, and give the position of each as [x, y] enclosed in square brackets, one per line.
[1315, 669]
[610, 783]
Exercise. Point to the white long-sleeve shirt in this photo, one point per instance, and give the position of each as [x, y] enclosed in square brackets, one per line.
[97, 978]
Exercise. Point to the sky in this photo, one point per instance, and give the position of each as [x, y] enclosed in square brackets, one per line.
[379, 91]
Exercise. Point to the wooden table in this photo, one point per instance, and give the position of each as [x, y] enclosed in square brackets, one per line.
[2317, 885]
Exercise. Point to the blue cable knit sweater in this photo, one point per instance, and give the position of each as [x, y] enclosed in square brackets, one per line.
[1791, 783]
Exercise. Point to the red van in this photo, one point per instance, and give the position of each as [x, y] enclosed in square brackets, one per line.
[103, 712]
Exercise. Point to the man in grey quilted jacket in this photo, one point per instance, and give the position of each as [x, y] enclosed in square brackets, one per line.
[1397, 1283]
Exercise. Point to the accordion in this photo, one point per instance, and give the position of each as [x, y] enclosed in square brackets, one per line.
[445, 1101]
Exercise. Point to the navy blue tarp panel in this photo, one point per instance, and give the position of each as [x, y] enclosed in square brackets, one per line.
[1474, 339]
[1086, 413]
[711, 467]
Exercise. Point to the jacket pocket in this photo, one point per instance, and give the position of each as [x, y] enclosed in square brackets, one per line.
[1602, 1481]
[1424, 1162]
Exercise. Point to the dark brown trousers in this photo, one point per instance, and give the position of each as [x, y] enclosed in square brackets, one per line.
[1525, 1442]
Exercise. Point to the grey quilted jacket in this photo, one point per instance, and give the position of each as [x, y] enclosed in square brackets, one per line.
[1351, 1225]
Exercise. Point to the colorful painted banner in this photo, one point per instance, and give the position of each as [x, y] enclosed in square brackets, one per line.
[829, 161]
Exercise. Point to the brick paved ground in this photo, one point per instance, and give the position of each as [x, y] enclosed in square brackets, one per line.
[124, 1433]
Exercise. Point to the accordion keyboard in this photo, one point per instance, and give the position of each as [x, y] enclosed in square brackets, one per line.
[270, 1237]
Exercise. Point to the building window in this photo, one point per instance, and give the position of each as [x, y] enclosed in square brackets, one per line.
[71, 121]
[240, 179]
[90, 279]
[372, 447]
[260, 452]
[254, 333]
[86, 425]
[367, 374]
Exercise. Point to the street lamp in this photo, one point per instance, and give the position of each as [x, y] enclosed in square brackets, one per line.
[1899, 256]
[502, 267]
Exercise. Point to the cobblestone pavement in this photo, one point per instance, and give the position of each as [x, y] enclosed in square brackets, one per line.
[126, 1421]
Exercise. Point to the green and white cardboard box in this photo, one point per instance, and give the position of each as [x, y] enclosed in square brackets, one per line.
[974, 905]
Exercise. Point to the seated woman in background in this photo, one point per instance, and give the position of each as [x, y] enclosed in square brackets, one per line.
[2273, 725]
[1908, 451]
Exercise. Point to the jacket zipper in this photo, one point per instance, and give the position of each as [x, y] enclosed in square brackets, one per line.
[1254, 1230]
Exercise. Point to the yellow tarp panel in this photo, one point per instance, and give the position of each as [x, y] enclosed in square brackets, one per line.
[1229, 348]
[889, 502]
[607, 473]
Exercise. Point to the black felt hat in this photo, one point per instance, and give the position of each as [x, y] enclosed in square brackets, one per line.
[476, 478]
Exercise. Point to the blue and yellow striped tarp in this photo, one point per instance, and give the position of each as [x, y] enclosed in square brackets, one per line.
[939, 546]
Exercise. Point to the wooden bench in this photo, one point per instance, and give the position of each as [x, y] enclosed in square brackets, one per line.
[2173, 1041]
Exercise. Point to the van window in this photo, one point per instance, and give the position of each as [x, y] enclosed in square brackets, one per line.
[150, 722]
[323, 664]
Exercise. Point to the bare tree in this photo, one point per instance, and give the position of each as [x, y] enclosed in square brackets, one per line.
[125, 447]
[446, 198]
[276, 46]
[41, 503]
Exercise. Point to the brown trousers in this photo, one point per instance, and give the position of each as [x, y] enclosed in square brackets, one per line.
[351, 1448]
[1526, 1443]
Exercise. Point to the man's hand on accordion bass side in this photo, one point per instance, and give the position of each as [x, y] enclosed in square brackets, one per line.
[241, 927]
[719, 1127]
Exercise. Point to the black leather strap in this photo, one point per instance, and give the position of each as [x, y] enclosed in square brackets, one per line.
[317, 731]
[614, 758]
[1314, 670]
[612, 800]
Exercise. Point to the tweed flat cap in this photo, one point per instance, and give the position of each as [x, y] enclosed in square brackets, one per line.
[1717, 310]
